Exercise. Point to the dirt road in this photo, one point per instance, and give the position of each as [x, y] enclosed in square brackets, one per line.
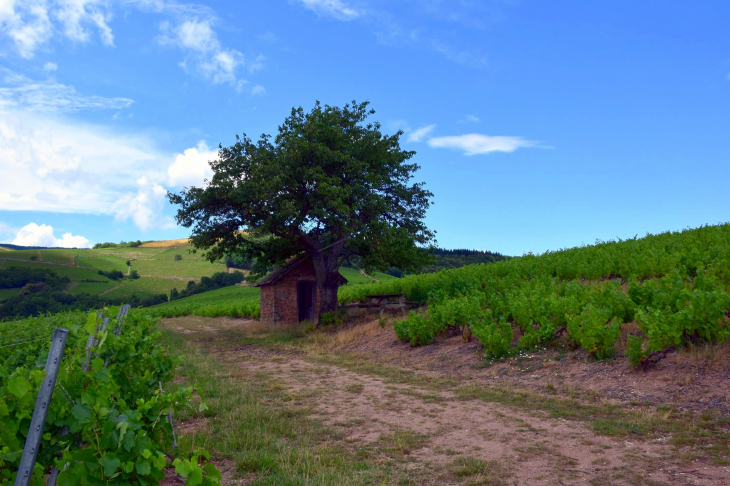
[436, 426]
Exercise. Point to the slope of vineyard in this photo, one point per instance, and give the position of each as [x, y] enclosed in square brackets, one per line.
[672, 287]
[104, 421]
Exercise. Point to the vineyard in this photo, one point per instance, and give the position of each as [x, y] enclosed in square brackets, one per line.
[645, 295]
[233, 301]
[109, 420]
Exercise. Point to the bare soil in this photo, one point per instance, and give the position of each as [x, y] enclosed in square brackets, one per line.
[435, 427]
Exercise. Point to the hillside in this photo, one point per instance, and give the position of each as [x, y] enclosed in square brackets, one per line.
[639, 297]
[162, 266]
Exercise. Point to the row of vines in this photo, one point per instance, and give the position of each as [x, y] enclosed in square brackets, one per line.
[673, 286]
[107, 421]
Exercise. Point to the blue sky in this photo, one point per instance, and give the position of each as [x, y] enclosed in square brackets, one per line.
[538, 125]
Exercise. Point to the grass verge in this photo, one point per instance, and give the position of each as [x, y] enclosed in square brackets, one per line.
[254, 422]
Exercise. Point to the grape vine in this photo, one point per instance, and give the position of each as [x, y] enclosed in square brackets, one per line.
[104, 426]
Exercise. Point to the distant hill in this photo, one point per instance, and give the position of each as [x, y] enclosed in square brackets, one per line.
[8, 246]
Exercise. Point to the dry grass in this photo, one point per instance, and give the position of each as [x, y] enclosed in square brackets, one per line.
[165, 243]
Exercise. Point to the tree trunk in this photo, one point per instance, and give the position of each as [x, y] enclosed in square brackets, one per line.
[328, 281]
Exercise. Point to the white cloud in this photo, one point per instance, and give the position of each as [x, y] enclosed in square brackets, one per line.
[19, 91]
[472, 118]
[191, 167]
[30, 23]
[206, 55]
[144, 208]
[475, 143]
[332, 8]
[35, 235]
[258, 90]
[420, 134]
[50, 66]
[53, 163]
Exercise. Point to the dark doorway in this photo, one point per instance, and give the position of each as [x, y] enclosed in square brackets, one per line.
[305, 300]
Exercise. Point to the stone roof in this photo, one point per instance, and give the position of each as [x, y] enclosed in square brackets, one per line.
[280, 272]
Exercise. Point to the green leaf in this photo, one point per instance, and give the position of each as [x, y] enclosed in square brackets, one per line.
[202, 407]
[18, 386]
[196, 477]
[128, 467]
[102, 335]
[91, 323]
[110, 465]
[82, 413]
[159, 461]
[143, 468]
[182, 467]
[146, 453]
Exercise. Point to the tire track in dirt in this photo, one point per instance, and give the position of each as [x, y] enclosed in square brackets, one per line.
[436, 427]
[537, 450]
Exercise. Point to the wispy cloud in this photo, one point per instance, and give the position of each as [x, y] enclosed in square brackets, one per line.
[477, 144]
[472, 118]
[50, 66]
[31, 23]
[197, 38]
[331, 8]
[50, 162]
[420, 133]
[19, 91]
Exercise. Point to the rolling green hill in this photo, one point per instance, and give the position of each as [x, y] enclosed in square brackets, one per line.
[159, 272]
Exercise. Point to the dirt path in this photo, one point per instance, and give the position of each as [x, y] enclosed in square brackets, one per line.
[110, 290]
[368, 276]
[436, 428]
[40, 257]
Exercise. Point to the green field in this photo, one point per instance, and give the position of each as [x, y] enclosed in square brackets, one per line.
[92, 288]
[233, 301]
[115, 259]
[354, 277]
[74, 273]
[6, 294]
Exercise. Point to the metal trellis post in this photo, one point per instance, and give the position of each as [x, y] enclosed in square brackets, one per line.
[35, 432]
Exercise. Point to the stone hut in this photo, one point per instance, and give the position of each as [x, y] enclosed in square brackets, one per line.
[289, 294]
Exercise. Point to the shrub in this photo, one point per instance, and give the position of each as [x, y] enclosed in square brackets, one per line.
[177, 258]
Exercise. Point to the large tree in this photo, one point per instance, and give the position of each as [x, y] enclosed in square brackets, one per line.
[331, 185]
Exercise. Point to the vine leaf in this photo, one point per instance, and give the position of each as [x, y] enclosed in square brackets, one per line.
[18, 386]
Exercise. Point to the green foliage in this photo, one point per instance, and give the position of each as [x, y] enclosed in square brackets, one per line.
[177, 257]
[115, 414]
[123, 244]
[112, 274]
[330, 185]
[673, 285]
[595, 330]
[417, 328]
[635, 351]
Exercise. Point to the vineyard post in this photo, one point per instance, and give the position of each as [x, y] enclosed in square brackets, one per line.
[45, 392]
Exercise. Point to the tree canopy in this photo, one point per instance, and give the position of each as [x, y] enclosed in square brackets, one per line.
[330, 185]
